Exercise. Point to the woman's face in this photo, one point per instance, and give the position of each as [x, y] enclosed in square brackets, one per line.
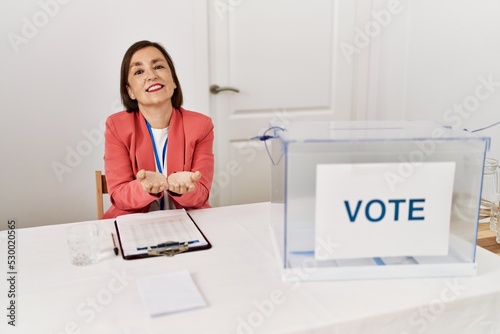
[150, 81]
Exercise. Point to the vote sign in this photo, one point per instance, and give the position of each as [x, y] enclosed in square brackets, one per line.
[376, 210]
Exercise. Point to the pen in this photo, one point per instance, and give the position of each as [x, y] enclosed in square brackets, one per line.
[170, 244]
[115, 249]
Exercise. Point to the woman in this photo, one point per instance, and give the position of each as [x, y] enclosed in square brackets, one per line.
[155, 137]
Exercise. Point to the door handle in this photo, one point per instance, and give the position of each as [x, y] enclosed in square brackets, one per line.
[215, 89]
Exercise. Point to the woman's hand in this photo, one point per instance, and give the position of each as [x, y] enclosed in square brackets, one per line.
[152, 182]
[183, 182]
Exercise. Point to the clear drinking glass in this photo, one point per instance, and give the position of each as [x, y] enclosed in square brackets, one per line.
[83, 243]
[495, 211]
[489, 192]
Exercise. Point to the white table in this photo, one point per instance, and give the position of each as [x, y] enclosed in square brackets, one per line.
[240, 281]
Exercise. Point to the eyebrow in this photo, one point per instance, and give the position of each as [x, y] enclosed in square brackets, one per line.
[154, 61]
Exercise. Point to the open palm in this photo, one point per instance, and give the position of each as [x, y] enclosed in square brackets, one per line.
[183, 182]
[152, 182]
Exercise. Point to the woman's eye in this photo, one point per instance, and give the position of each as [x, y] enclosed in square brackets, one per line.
[138, 72]
[157, 67]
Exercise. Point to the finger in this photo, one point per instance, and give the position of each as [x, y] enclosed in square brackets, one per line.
[141, 175]
[172, 187]
[196, 176]
[158, 190]
[155, 188]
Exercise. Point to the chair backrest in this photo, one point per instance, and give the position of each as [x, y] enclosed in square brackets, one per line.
[101, 188]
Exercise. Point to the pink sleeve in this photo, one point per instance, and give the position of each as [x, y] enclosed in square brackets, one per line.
[203, 161]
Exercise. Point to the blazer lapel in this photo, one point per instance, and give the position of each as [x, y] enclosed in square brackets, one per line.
[176, 143]
[144, 157]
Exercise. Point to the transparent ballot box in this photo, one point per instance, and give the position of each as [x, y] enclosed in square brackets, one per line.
[378, 199]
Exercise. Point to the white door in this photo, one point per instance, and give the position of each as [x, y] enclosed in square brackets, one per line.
[282, 57]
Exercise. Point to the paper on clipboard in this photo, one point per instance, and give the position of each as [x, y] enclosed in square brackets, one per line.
[137, 232]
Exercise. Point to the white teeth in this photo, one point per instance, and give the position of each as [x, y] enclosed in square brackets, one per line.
[154, 87]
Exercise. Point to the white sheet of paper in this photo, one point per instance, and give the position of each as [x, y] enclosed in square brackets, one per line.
[169, 293]
[392, 233]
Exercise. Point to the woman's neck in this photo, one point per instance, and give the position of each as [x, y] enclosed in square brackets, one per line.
[158, 118]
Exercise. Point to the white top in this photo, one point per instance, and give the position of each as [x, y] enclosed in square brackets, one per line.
[160, 136]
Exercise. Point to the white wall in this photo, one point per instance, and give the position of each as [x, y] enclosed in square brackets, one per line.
[60, 72]
[464, 49]
[429, 62]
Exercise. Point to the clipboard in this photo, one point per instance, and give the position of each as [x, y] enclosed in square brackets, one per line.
[172, 232]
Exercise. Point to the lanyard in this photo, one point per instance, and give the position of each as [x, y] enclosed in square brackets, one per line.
[159, 165]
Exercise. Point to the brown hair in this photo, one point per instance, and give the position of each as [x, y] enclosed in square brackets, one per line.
[131, 105]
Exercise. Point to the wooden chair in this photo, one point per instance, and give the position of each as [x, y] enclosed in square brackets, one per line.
[101, 188]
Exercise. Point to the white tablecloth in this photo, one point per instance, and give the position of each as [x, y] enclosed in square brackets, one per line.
[242, 285]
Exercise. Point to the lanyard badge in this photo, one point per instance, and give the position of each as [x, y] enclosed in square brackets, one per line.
[159, 164]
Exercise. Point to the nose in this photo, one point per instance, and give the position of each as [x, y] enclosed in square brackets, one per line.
[151, 75]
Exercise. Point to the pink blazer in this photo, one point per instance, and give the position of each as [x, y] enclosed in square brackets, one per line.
[128, 149]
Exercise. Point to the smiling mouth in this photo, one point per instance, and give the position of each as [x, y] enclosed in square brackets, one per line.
[154, 88]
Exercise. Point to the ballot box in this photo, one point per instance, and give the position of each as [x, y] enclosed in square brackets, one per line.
[378, 199]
